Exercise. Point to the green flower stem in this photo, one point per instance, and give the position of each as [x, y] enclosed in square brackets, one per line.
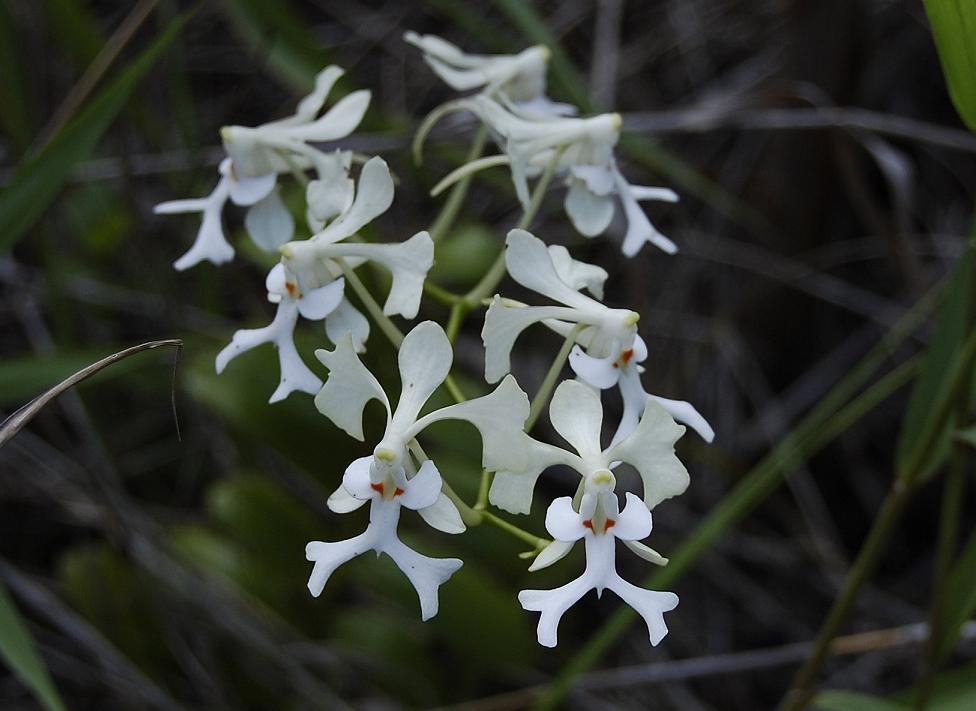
[386, 325]
[441, 294]
[535, 541]
[452, 205]
[802, 690]
[545, 390]
[483, 488]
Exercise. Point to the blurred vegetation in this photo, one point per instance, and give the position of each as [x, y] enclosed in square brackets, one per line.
[820, 315]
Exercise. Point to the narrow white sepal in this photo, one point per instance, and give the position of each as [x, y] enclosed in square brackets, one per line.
[443, 515]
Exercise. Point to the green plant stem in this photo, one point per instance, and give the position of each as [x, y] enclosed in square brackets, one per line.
[484, 486]
[802, 690]
[441, 294]
[386, 325]
[828, 419]
[542, 394]
[536, 541]
[496, 272]
[452, 206]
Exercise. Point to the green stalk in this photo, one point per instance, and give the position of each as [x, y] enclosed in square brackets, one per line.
[542, 394]
[449, 212]
[386, 325]
[801, 691]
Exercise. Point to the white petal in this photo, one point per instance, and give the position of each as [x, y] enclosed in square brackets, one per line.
[356, 481]
[374, 195]
[346, 319]
[598, 179]
[597, 372]
[349, 387]
[504, 324]
[643, 192]
[408, 263]
[555, 551]
[422, 491]
[277, 280]
[512, 490]
[338, 122]
[634, 522]
[686, 413]
[649, 604]
[650, 449]
[553, 604]
[563, 522]
[248, 191]
[329, 556]
[529, 263]
[269, 222]
[318, 303]
[309, 106]
[295, 375]
[635, 398]
[577, 274]
[639, 228]
[443, 515]
[425, 574]
[425, 359]
[577, 415]
[590, 213]
[210, 243]
[341, 501]
[647, 553]
[327, 199]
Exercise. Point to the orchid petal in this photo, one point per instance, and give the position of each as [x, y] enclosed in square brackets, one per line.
[338, 122]
[555, 551]
[329, 556]
[425, 359]
[634, 522]
[356, 480]
[269, 222]
[650, 449]
[499, 417]
[649, 604]
[553, 605]
[598, 372]
[503, 325]
[647, 553]
[512, 490]
[443, 515]
[422, 491]
[563, 522]
[424, 573]
[311, 104]
[686, 413]
[318, 303]
[577, 274]
[341, 501]
[248, 191]
[347, 319]
[277, 280]
[643, 192]
[577, 415]
[349, 387]
[590, 213]
[374, 195]
[639, 228]
[530, 264]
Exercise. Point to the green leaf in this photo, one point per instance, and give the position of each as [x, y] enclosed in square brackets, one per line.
[960, 597]
[18, 651]
[38, 180]
[13, 99]
[853, 701]
[952, 690]
[954, 325]
[967, 436]
[954, 29]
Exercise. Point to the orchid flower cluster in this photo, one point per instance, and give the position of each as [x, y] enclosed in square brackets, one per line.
[537, 139]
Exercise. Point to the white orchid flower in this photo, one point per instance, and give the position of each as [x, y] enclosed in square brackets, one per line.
[532, 265]
[599, 523]
[520, 78]
[210, 243]
[408, 262]
[585, 148]
[256, 155]
[425, 359]
[623, 369]
[577, 415]
[293, 300]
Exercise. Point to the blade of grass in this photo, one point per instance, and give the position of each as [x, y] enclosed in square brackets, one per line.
[13, 98]
[18, 650]
[954, 29]
[39, 179]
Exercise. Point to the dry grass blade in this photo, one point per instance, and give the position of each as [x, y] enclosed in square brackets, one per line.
[13, 424]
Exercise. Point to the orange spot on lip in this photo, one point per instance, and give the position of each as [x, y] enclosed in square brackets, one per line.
[610, 524]
[588, 524]
[627, 355]
[398, 491]
[377, 487]
[292, 288]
